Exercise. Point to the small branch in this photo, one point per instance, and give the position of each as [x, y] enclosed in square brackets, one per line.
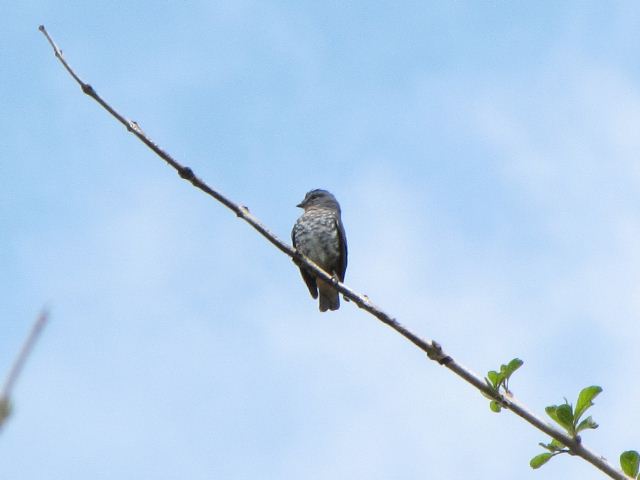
[433, 350]
[20, 360]
[18, 364]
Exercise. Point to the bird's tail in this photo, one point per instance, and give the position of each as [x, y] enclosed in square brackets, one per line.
[329, 298]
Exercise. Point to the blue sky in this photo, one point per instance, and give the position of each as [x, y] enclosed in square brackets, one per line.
[485, 155]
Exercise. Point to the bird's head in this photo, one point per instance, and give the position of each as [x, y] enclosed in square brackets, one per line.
[319, 198]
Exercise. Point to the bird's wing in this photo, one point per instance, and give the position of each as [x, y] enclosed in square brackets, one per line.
[342, 240]
[310, 281]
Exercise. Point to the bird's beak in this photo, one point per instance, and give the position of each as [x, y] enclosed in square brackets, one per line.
[300, 205]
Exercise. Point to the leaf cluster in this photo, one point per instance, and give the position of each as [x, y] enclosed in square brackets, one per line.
[570, 419]
[500, 379]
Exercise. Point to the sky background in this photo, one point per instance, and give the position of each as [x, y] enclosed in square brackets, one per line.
[485, 155]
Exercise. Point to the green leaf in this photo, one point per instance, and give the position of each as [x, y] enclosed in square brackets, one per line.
[630, 462]
[513, 365]
[539, 460]
[552, 411]
[585, 399]
[564, 414]
[586, 423]
[556, 445]
[495, 378]
[495, 406]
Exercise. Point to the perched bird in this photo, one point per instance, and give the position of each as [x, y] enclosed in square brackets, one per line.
[319, 235]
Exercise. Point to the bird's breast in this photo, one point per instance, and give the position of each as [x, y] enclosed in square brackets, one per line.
[316, 237]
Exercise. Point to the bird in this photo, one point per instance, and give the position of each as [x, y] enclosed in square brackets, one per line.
[319, 235]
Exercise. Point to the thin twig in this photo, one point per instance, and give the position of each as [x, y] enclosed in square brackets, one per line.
[20, 360]
[433, 350]
[18, 364]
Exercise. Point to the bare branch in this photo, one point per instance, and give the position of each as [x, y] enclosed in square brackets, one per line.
[18, 364]
[432, 348]
[20, 360]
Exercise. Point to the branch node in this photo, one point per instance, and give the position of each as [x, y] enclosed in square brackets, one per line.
[186, 173]
[88, 90]
[133, 127]
[242, 211]
[436, 353]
